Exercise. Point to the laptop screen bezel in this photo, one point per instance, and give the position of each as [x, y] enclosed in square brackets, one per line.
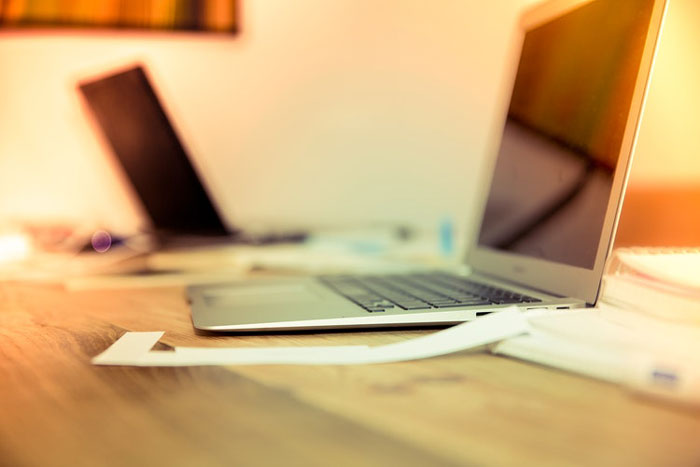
[558, 278]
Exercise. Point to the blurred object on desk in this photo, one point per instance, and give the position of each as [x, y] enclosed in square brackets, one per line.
[50, 251]
[652, 357]
[660, 216]
[132, 278]
[55, 267]
[373, 249]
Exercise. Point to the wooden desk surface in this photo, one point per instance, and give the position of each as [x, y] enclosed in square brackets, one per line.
[466, 408]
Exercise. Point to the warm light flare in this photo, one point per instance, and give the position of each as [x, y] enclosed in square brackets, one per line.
[14, 247]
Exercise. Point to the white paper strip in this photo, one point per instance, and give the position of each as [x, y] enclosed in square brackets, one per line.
[134, 348]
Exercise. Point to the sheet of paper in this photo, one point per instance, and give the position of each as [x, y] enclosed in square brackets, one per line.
[680, 268]
[648, 356]
[134, 348]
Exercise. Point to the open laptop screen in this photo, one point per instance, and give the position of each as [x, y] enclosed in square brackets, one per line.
[135, 125]
[562, 137]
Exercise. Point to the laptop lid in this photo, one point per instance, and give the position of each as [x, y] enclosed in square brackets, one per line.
[135, 125]
[564, 153]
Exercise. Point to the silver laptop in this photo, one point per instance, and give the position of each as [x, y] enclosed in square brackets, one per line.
[550, 208]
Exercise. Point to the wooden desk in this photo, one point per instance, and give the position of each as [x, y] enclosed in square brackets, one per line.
[467, 408]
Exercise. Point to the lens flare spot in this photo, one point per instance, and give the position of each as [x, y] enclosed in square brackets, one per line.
[101, 241]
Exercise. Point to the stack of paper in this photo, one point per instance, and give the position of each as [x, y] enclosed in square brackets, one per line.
[663, 283]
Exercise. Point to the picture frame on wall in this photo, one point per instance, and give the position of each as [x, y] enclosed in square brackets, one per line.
[219, 16]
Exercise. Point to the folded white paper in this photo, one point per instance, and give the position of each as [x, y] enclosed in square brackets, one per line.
[134, 348]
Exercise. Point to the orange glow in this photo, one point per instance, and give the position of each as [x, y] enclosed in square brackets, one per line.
[667, 148]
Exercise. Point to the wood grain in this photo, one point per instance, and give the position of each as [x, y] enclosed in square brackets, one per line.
[57, 409]
[466, 408]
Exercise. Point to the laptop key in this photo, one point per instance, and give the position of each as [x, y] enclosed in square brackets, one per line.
[414, 306]
[506, 301]
[453, 305]
[480, 301]
[449, 305]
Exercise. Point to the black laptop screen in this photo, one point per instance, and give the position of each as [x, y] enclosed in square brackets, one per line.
[562, 136]
[136, 127]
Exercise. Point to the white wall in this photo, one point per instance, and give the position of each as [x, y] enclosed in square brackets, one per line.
[668, 151]
[319, 112]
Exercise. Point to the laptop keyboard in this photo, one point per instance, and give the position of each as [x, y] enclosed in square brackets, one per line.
[419, 291]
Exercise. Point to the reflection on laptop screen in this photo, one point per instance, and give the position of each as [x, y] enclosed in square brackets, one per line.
[563, 133]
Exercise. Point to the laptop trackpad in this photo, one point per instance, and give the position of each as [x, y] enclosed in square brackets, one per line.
[260, 294]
